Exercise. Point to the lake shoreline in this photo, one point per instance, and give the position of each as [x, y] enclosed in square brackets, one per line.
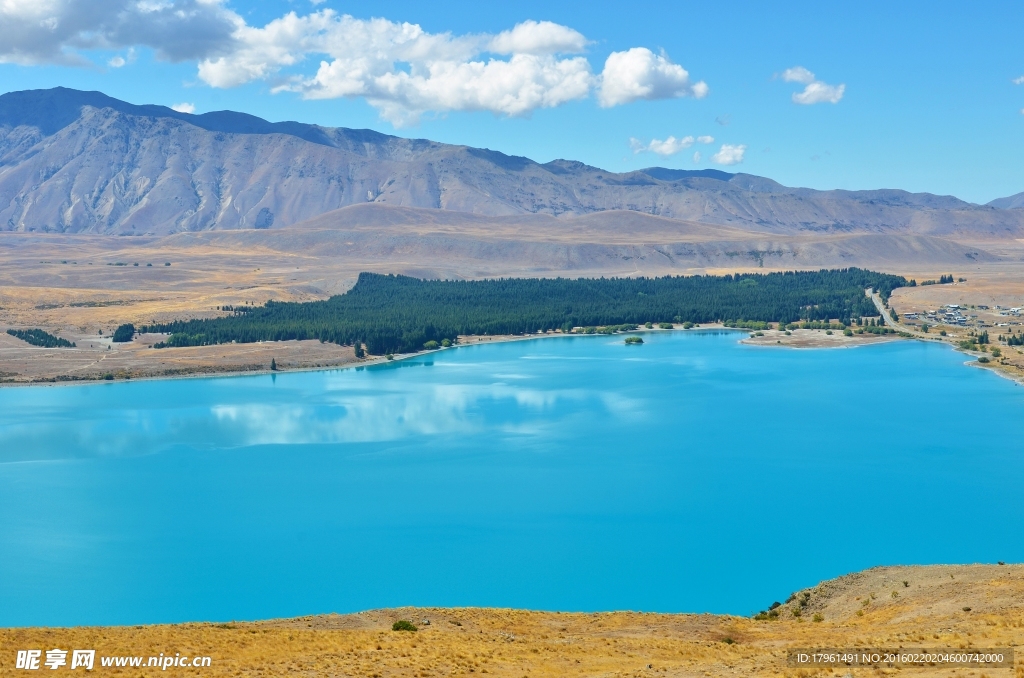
[798, 340]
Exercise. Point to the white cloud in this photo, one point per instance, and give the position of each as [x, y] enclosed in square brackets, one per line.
[729, 154]
[669, 146]
[538, 37]
[184, 107]
[798, 74]
[1019, 80]
[57, 31]
[818, 93]
[399, 68]
[639, 73]
[815, 91]
[696, 157]
[117, 61]
[404, 71]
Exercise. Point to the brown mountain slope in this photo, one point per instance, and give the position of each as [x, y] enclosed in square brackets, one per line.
[75, 161]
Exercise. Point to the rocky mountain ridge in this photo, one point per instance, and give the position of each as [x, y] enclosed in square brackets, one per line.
[83, 162]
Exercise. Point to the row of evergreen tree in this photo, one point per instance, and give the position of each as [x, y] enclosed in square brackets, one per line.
[41, 338]
[391, 313]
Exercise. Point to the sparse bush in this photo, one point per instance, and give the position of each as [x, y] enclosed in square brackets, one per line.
[403, 625]
[818, 618]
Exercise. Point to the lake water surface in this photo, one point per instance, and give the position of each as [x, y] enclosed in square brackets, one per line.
[692, 473]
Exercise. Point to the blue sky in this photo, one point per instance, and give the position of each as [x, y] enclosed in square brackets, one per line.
[927, 100]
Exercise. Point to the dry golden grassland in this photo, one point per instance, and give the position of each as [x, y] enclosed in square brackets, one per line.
[72, 286]
[933, 607]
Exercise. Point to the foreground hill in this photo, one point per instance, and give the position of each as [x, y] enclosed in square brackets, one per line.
[955, 607]
[73, 161]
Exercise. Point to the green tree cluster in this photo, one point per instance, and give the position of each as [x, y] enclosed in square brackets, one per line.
[391, 313]
[41, 338]
[124, 333]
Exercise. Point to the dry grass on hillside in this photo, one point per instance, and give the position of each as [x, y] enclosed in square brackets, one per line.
[893, 607]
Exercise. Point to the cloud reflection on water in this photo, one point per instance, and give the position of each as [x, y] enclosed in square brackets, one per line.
[366, 416]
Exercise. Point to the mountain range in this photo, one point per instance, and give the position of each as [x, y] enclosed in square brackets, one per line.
[83, 162]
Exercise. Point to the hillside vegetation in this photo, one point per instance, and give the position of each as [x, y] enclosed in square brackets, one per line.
[957, 607]
[392, 313]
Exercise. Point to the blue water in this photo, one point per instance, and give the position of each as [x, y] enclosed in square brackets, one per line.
[692, 473]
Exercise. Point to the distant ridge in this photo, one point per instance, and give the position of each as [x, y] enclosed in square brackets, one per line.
[73, 161]
[1012, 202]
[51, 110]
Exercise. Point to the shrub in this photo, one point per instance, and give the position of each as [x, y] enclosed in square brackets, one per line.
[828, 331]
[665, 326]
[983, 359]
[124, 333]
[389, 357]
[634, 340]
[403, 625]
[446, 342]
[649, 325]
[430, 345]
[818, 618]
[108, 376]
[847, 332]
[942, 333]
[687, 325]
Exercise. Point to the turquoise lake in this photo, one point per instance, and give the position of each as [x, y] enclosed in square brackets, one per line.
[689, 474]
